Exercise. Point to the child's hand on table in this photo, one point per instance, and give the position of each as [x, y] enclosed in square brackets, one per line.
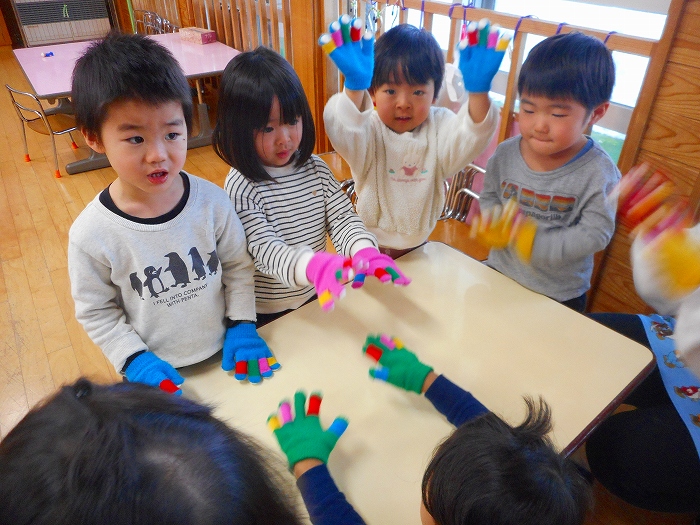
[369, 261]
[150, 369]
[505, 227]
[327, 272]
[301, 436]
[480, 55]
[351, 51]
[396, 364]
[245, 350]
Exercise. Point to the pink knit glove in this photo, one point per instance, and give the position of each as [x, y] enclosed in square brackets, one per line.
[327, 272]
[369, 261]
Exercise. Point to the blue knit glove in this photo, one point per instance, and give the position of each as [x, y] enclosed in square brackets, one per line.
[303, 437]
[351, 51]
[480, 55]
[396, 364]
[150, 369]
[246, 350]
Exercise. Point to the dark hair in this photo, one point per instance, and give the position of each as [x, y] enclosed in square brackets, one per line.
[249, 84]
[488, 472]
[569, 66]
[407, 52]
[126, 67]
[132, 454]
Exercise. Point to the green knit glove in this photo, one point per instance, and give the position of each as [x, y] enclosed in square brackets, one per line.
[397, 365]
[302, 437]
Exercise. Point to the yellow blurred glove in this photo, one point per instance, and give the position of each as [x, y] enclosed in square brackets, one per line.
[503, 227]
[678, 257]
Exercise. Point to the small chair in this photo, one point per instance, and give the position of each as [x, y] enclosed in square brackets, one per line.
[459, 195]
[348, 187]
[32, 113]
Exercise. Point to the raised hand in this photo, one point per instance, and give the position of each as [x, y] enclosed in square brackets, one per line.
[150, 369]
[327, 272]
[672, 260]
[301, 436]
[396, 364]
[480, 55]
[503, 227]
[351, 51]
[646, 202]
[369, 261]
[249, 353]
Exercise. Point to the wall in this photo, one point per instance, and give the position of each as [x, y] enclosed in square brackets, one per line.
[665, 131]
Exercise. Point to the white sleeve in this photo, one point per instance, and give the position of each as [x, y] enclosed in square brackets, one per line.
[350, 131]
[687, 333]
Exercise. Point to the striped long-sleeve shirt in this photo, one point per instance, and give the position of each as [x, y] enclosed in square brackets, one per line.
[286, 221]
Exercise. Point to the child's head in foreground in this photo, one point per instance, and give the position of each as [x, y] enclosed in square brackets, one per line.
[409, 67]
[133, 103]
[132, 454]
[264, 118]
[489, 473]
[565, 86]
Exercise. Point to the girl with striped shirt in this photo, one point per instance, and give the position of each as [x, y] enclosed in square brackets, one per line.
[288, 199]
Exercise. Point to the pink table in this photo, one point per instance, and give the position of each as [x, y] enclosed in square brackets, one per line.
[50, 78]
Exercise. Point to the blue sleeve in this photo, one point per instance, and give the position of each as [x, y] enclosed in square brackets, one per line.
[457, 405]
[325, 503]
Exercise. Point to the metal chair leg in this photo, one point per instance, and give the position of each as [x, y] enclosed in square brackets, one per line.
[24, 141]
[57, 172]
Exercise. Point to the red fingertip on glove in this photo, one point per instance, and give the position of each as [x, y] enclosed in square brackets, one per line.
[168, 386]
[374, 352]
[314, 405]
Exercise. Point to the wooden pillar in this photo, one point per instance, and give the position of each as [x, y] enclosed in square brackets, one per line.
[309, 21]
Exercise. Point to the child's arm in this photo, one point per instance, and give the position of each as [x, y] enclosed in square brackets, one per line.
[99, 312]
[347, 114]
[479, 59]
[400, 367]
[351, 238]
[352, 53]
[243, 350]
[307, 447]
[298, 265]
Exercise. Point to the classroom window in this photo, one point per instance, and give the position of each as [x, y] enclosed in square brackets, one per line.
[643, 18]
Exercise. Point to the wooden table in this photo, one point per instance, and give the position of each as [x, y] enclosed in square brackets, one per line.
[481, 329]
[51, 77]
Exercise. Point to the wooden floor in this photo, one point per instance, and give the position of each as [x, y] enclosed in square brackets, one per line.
[41, 344]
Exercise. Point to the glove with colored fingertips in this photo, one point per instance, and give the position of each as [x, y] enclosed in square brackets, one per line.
[504, 227]
[351, 51]
[646, 201]
[675, 258]
[370, 261]
[301, 436]
[641, 193]
[245, 350]
[480, 55]
[327, 272]
[150, 369]
[396, 364]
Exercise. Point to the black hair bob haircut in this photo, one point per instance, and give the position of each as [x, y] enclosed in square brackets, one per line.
[249, 84]
[126, 67]
[408, 53]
